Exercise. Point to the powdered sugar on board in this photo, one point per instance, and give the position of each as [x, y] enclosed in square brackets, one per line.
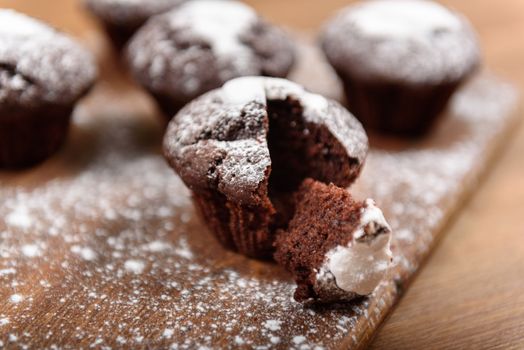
[106, 241]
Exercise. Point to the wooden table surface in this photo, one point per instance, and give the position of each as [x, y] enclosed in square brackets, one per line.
[470, 294]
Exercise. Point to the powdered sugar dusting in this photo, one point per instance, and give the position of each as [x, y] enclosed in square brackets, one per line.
[273, 325]
[201, 44]
[121, 201]
[16, 298]
[221, 23]
[18, 217]
[405, 18]
[13, 23]
[31, 250]
[85, 253]
[134, 266]
[39, 63]
[413, 40]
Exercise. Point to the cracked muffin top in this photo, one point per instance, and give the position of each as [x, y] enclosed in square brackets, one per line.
[257, 135]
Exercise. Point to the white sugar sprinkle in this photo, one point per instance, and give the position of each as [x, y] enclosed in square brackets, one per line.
[157, 246]
[222, 23]
[274, 340]
[183, 250]
[414, 40]
[85, 253]
[9, 271]
[299, 339]
[168, 333]
[134, 266]
[19, 217]
[16, 298]
[273, 325]
[31, 250]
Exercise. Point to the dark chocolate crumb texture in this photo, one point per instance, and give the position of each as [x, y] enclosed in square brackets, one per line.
[245, 148]
[194, 48]
[43, 73]
[336, 248]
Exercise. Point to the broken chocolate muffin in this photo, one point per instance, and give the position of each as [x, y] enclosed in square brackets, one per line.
[194, 48]
[336, 248]
[245, 148]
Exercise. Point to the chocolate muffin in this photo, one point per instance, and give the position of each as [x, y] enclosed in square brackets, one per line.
[337, 248]
[400, 61]
[122, 18]
[245, 148]
[197, 47]
[43, 73]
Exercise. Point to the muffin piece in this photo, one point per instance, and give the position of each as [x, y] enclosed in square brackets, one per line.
[43, 73]
[200, 45]
[400, 61]
[245, 148]
[122, 18]
[337, 248]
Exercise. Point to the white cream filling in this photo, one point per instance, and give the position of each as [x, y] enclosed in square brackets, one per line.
[360, 266]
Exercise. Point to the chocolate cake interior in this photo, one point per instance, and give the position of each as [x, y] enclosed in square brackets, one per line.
[323, 217]
[299, 150]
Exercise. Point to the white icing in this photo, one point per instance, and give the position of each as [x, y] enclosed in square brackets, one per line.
[221, 22]
[360, 266]
[403, 18]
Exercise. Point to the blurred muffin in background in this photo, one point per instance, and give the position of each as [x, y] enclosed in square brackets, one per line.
[400, 61]
[121, 18]
[43, 73]
[179, 55]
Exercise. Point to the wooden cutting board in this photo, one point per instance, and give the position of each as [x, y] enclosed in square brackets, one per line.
[100, 247]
